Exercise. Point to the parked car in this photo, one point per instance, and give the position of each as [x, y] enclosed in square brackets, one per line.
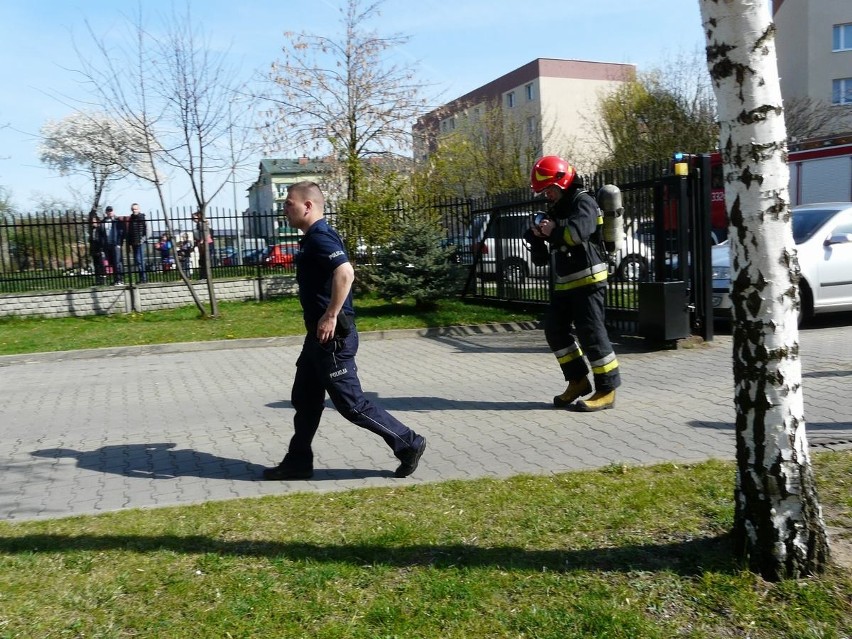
[720, 263]
[509, 260]
[253, 257]
[281, 255]
[225, 256]
[822, 233]
[632, 262]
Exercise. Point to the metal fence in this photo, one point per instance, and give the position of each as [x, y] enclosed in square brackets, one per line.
[667, 238]
[51, 251]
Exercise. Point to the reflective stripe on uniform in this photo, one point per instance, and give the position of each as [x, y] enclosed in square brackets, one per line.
[604, 364]
[565, 355]
[571, 238]
[585, 277]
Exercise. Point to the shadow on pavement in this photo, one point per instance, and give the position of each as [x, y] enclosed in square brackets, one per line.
[156, 461]
[161, 461]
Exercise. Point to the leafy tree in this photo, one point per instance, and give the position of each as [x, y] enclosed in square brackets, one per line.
[663, 111]
[371, 218]
[417, 264]
[343, 96]
[487, 152]
[95, 145]
[778, 524]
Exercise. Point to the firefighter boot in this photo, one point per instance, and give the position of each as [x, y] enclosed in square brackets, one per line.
[576, 388]
[601, 400]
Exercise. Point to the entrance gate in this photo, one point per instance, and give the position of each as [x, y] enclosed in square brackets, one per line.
[667, 241]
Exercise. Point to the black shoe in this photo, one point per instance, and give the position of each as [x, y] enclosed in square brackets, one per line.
[411, 458]
[283, 472]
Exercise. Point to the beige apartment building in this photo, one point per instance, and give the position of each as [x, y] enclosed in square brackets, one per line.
[552, 101]
[814, 48]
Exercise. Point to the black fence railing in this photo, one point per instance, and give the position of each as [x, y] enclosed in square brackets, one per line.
[54, 250]
[664, 223]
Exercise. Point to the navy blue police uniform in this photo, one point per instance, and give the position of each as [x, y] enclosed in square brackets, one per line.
[330, 367]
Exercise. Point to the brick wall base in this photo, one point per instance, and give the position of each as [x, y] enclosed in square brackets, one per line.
[107, 300]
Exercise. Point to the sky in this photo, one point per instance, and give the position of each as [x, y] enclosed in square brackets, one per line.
[454, 46]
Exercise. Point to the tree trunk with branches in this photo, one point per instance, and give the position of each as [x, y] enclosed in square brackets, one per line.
[778, 527]
[179, 96]
[342, 97]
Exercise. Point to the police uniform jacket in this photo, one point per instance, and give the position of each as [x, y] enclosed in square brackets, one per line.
[321, 252]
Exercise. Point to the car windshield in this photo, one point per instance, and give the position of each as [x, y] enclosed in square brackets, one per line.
[807, 221]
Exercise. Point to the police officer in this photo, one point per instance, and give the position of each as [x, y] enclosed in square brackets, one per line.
[327, 361]
[572, 233]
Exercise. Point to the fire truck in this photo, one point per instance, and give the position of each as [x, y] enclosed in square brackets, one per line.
[820, 171]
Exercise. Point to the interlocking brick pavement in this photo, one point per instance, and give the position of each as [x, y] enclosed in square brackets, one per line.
[96, 431]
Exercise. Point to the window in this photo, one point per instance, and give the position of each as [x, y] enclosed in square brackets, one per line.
[531, 125]
[510, 99]
[529, 91]
[842, 37]
[841, 91]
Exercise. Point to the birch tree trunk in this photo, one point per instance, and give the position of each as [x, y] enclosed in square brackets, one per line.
[778, 526]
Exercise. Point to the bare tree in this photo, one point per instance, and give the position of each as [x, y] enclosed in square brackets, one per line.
[95, 145]
[807, 117]
[180, 99]
[778, 526]
[342, 95]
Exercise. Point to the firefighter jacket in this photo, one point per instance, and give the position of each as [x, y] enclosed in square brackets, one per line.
[577, 255]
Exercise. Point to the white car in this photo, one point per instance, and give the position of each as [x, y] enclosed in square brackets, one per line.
[823, 236]
[720, 259]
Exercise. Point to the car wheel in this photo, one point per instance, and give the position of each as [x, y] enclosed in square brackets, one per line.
[806, 303]
[632, 268]
[514, 272]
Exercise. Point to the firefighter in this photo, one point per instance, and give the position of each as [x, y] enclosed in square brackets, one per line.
[570, 237]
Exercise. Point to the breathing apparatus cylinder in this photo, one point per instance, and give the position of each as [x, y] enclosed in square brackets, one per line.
[609, 201]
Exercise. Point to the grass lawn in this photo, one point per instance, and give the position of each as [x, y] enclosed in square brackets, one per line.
[237, 320]
[614, 553]
[619, 552]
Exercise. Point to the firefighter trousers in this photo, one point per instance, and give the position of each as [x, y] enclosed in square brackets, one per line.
[576, 333]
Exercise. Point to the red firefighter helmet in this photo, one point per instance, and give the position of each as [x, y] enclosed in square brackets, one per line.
[551, 169]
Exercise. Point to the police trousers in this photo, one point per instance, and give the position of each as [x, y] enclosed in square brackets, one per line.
[330, 368]
[575, 331]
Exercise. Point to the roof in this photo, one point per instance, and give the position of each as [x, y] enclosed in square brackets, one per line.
[293, 166]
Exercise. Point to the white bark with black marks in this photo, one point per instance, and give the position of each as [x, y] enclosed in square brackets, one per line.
[778, 525]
